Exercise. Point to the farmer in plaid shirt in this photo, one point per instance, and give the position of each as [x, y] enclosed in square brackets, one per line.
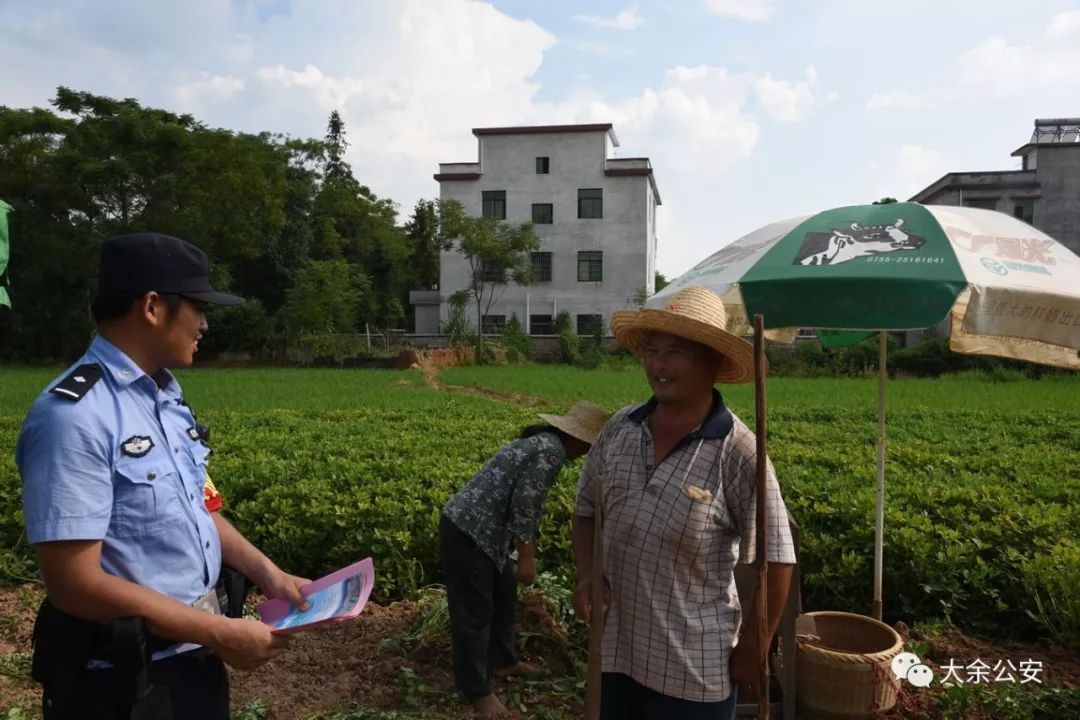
[679, 510]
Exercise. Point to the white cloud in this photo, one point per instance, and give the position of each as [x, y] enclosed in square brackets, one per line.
[330, 93]
[907, 171]
[749, 10]
[209, 88]
[997, 69]
[897, 99]
[410, 80]
[784, 101]
[627, 19]
[1067, 24]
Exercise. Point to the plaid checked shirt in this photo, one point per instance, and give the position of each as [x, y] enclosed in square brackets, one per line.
[669, 557]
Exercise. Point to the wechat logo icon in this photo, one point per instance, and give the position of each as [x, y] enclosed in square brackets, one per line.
[908, 666]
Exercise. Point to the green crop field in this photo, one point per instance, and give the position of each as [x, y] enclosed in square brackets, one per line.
[322, 467]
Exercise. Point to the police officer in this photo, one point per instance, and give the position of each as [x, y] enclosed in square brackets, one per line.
[113, 470]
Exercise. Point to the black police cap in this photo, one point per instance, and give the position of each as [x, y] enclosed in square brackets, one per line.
[132, 265]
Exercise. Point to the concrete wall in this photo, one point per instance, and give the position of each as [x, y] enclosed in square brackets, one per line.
[1057, 213]
[625, 234]
[1053, 186]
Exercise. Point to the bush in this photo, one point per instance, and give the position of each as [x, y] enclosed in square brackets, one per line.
[518, 345]
[569, 343]
[928, 359]
[458, 327]
[569, 348]
[327, 348]
[490, 353]
[592, 348]
[245, 328]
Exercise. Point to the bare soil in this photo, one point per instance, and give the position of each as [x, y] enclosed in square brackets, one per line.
[364, 662]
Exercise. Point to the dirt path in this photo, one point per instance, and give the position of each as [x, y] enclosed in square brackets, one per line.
[430, 373]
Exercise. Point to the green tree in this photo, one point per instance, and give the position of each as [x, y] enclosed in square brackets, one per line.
[422, 237]
[324, 299]
[353, 224]
[336, 145]
[262, 206]
[642, 295]
[884, 201]
[496, 252]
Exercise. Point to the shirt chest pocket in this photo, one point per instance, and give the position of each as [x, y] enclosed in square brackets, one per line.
[144, 497]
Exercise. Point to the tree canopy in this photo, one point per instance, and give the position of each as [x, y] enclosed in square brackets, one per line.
[284, 220]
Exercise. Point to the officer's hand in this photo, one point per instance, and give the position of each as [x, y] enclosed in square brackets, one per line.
[246, 644]
[583, 598]
[284, 586]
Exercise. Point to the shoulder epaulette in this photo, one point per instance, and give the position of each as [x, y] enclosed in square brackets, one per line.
[75, 386]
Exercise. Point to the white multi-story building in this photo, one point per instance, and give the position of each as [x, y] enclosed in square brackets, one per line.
[595, 216]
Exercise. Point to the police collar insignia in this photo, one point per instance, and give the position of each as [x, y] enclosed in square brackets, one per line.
[193, 433]
[137, 446]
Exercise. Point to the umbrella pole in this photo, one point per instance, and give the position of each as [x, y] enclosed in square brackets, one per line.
[593, 675]
[761, 557]
[879, 530]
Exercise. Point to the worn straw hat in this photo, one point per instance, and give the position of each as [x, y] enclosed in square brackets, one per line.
[583, 420]
[696, 314]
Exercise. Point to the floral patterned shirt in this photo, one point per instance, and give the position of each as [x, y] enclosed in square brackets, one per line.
[506, 498]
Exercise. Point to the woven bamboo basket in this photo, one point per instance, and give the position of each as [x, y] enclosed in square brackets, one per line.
[844, 666]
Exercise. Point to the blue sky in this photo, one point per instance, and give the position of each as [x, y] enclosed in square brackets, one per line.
[751, 110]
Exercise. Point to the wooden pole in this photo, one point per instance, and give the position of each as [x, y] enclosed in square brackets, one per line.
[879, 503]
[596, 602]
[761, 557]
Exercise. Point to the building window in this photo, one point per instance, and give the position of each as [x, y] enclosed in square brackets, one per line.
[494, 205]
[492, 272]
[543, 213]
[541, 325]
[589, 324]
[590, 203]
[492, 324]
[541, 265]
[1025, 210]
[983, 203]
[543, 165]
[590, 266]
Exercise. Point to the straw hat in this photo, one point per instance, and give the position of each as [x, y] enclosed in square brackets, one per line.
[696, 314]
[583, 420]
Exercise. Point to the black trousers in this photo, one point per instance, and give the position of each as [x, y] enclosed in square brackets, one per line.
[482, 602]
[195, 685]
[621, 698]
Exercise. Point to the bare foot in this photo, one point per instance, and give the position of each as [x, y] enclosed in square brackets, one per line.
[518, 668]
[488, 707]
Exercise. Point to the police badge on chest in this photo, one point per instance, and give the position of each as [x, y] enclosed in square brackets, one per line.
[137, 446]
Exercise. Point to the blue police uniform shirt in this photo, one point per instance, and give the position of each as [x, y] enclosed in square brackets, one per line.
[123, 465]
